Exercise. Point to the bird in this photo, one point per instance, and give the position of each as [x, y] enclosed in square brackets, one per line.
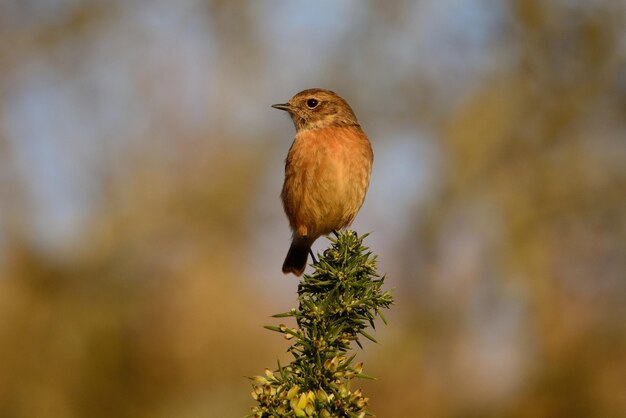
[327, 171]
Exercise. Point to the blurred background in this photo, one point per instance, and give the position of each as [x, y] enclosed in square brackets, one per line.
[141, 233]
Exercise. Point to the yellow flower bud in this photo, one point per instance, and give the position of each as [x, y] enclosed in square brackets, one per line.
[293, 392]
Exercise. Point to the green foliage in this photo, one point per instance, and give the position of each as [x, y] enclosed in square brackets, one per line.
[336, 304]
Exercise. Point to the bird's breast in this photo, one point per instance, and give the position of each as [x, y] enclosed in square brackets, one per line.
[326, 175]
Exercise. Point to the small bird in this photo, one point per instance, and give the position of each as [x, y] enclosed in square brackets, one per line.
[327, 171]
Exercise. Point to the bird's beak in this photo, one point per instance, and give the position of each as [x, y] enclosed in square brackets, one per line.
[282, 106]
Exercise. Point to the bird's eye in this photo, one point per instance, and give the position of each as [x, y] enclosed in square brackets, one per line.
[312, 103]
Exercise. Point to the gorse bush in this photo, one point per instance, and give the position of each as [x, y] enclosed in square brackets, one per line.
[336, 304]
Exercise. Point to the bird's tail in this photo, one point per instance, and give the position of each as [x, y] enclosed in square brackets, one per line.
[297, 256]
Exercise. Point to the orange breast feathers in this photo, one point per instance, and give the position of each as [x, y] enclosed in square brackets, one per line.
[327, 173]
